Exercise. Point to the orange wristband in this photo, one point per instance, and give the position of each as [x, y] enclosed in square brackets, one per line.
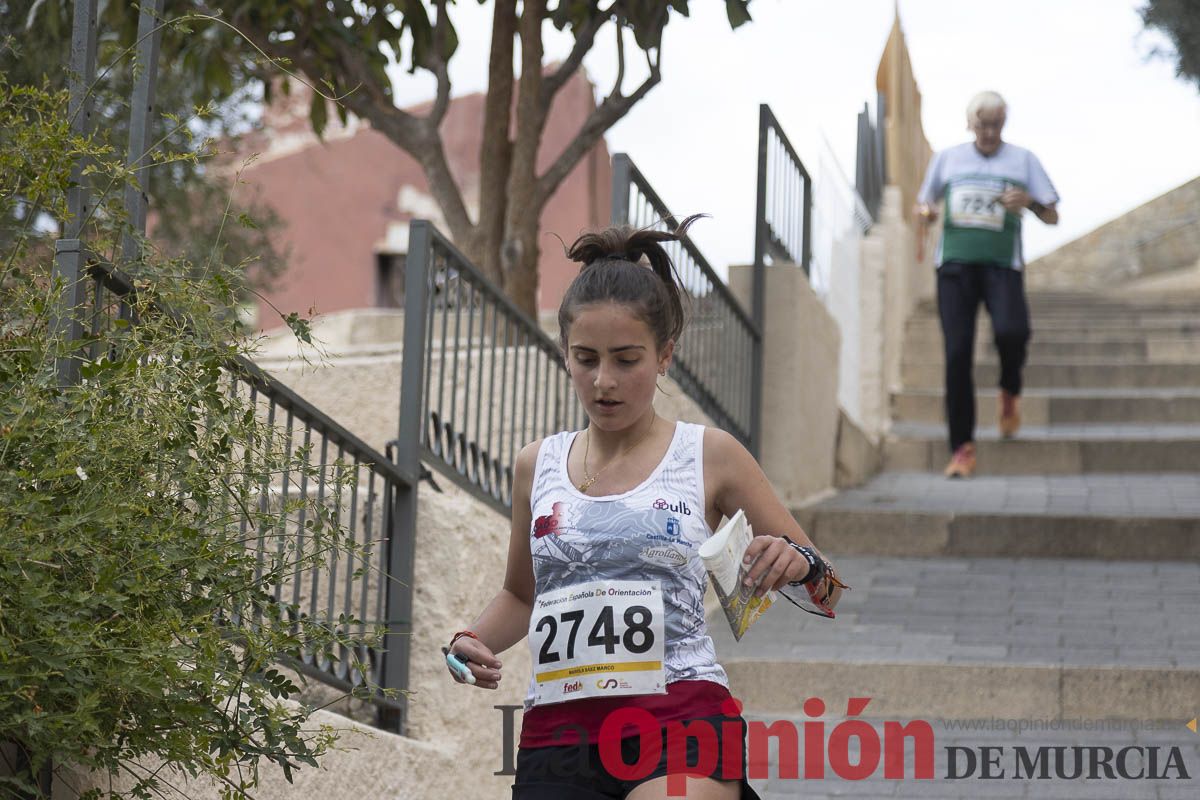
[461, 634]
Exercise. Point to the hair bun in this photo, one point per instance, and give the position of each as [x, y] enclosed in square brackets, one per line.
[638, 273]
[626, 243]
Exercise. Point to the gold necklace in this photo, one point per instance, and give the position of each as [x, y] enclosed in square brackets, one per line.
[588, 480]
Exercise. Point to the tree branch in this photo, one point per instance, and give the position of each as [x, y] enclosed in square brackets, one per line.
[418, 136]
[620, 81]
[585, 38]
[496, 149]
[603, 117]
[438, 66]
[530, 125]
[369, 99]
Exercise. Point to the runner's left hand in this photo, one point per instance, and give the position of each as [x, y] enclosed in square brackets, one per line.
[775, 561]
[1015, 200]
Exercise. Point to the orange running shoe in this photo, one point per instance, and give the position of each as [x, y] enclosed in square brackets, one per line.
[962, 463]
[1010, 415]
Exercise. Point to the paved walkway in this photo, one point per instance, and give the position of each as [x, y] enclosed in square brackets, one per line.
[1105, 474]
[991, 610]
[1171, 494]
[1061, 431]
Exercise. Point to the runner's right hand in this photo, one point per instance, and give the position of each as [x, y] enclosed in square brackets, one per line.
[483, 663]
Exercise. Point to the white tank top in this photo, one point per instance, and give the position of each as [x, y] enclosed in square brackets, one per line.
[649, 533]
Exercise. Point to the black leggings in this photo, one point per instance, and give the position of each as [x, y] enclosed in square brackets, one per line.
[960, 286]
[578, 772]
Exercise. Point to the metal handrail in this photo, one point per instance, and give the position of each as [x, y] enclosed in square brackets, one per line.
[481, 379]
[869, 174]
[784, 198]
[783, 214]
[369, 586]
[375, 586]
[117, 282]
[622, 162]
[712, 362]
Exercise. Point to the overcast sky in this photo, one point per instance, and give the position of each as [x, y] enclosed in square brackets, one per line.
[1112, 126]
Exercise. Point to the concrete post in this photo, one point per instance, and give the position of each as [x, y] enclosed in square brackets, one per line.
[800, 382]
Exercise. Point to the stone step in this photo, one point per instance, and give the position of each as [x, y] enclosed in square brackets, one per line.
[1066, 374]
[1150, 308]
[1162, 304]
[1052, 450]
[1136, 516]
[1047, 346]
[1056, 406]
[1093, 310]
[978, 637]
[1187, 326]
[1172, 350]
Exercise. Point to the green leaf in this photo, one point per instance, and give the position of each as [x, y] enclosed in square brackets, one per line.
[318, 114]
[301, 327]
[738, 12]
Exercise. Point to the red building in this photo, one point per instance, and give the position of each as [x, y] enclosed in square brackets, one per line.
[346, 201]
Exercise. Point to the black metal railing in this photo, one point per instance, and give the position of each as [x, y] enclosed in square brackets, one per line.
[869, 173]
[784, 199]
[368, 576]
[713, 360]
[490, 380]
[370, 579]
[782, 219]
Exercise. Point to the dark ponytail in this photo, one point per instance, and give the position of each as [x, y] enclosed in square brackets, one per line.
[612, 273]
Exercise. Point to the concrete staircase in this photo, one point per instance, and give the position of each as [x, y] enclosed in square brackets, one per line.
[1059, 587]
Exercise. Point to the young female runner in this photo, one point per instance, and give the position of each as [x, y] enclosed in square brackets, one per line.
[603, 575]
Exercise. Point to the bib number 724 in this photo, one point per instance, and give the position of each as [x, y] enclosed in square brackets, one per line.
[637, 637]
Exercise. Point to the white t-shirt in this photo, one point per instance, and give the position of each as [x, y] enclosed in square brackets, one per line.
[976, 227]
[649, 534]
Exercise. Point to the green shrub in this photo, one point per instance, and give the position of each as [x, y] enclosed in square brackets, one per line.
[133, 629]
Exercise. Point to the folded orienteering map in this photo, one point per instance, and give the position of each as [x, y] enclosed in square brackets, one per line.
[722, 556]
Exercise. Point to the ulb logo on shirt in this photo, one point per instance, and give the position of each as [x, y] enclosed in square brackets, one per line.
[679, 508]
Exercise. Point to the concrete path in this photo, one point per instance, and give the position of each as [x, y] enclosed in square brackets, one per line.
[1057, 589]
[971, 611]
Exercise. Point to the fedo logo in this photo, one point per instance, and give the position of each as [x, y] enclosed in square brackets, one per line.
[680, 508]
[573, 686]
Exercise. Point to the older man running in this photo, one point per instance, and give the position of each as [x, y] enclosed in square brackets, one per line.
[986, 185]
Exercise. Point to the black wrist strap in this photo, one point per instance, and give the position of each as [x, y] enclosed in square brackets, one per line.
[816, 565]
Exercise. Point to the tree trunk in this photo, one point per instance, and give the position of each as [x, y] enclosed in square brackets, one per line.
[495, 158]
[518, 253]
[522, 255]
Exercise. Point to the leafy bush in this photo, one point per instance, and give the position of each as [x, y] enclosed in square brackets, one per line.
[135, 629]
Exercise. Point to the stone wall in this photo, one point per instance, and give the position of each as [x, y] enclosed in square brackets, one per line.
[892, 284]
[1158, 236]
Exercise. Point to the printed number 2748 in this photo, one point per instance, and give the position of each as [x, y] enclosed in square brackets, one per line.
[637, 637]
